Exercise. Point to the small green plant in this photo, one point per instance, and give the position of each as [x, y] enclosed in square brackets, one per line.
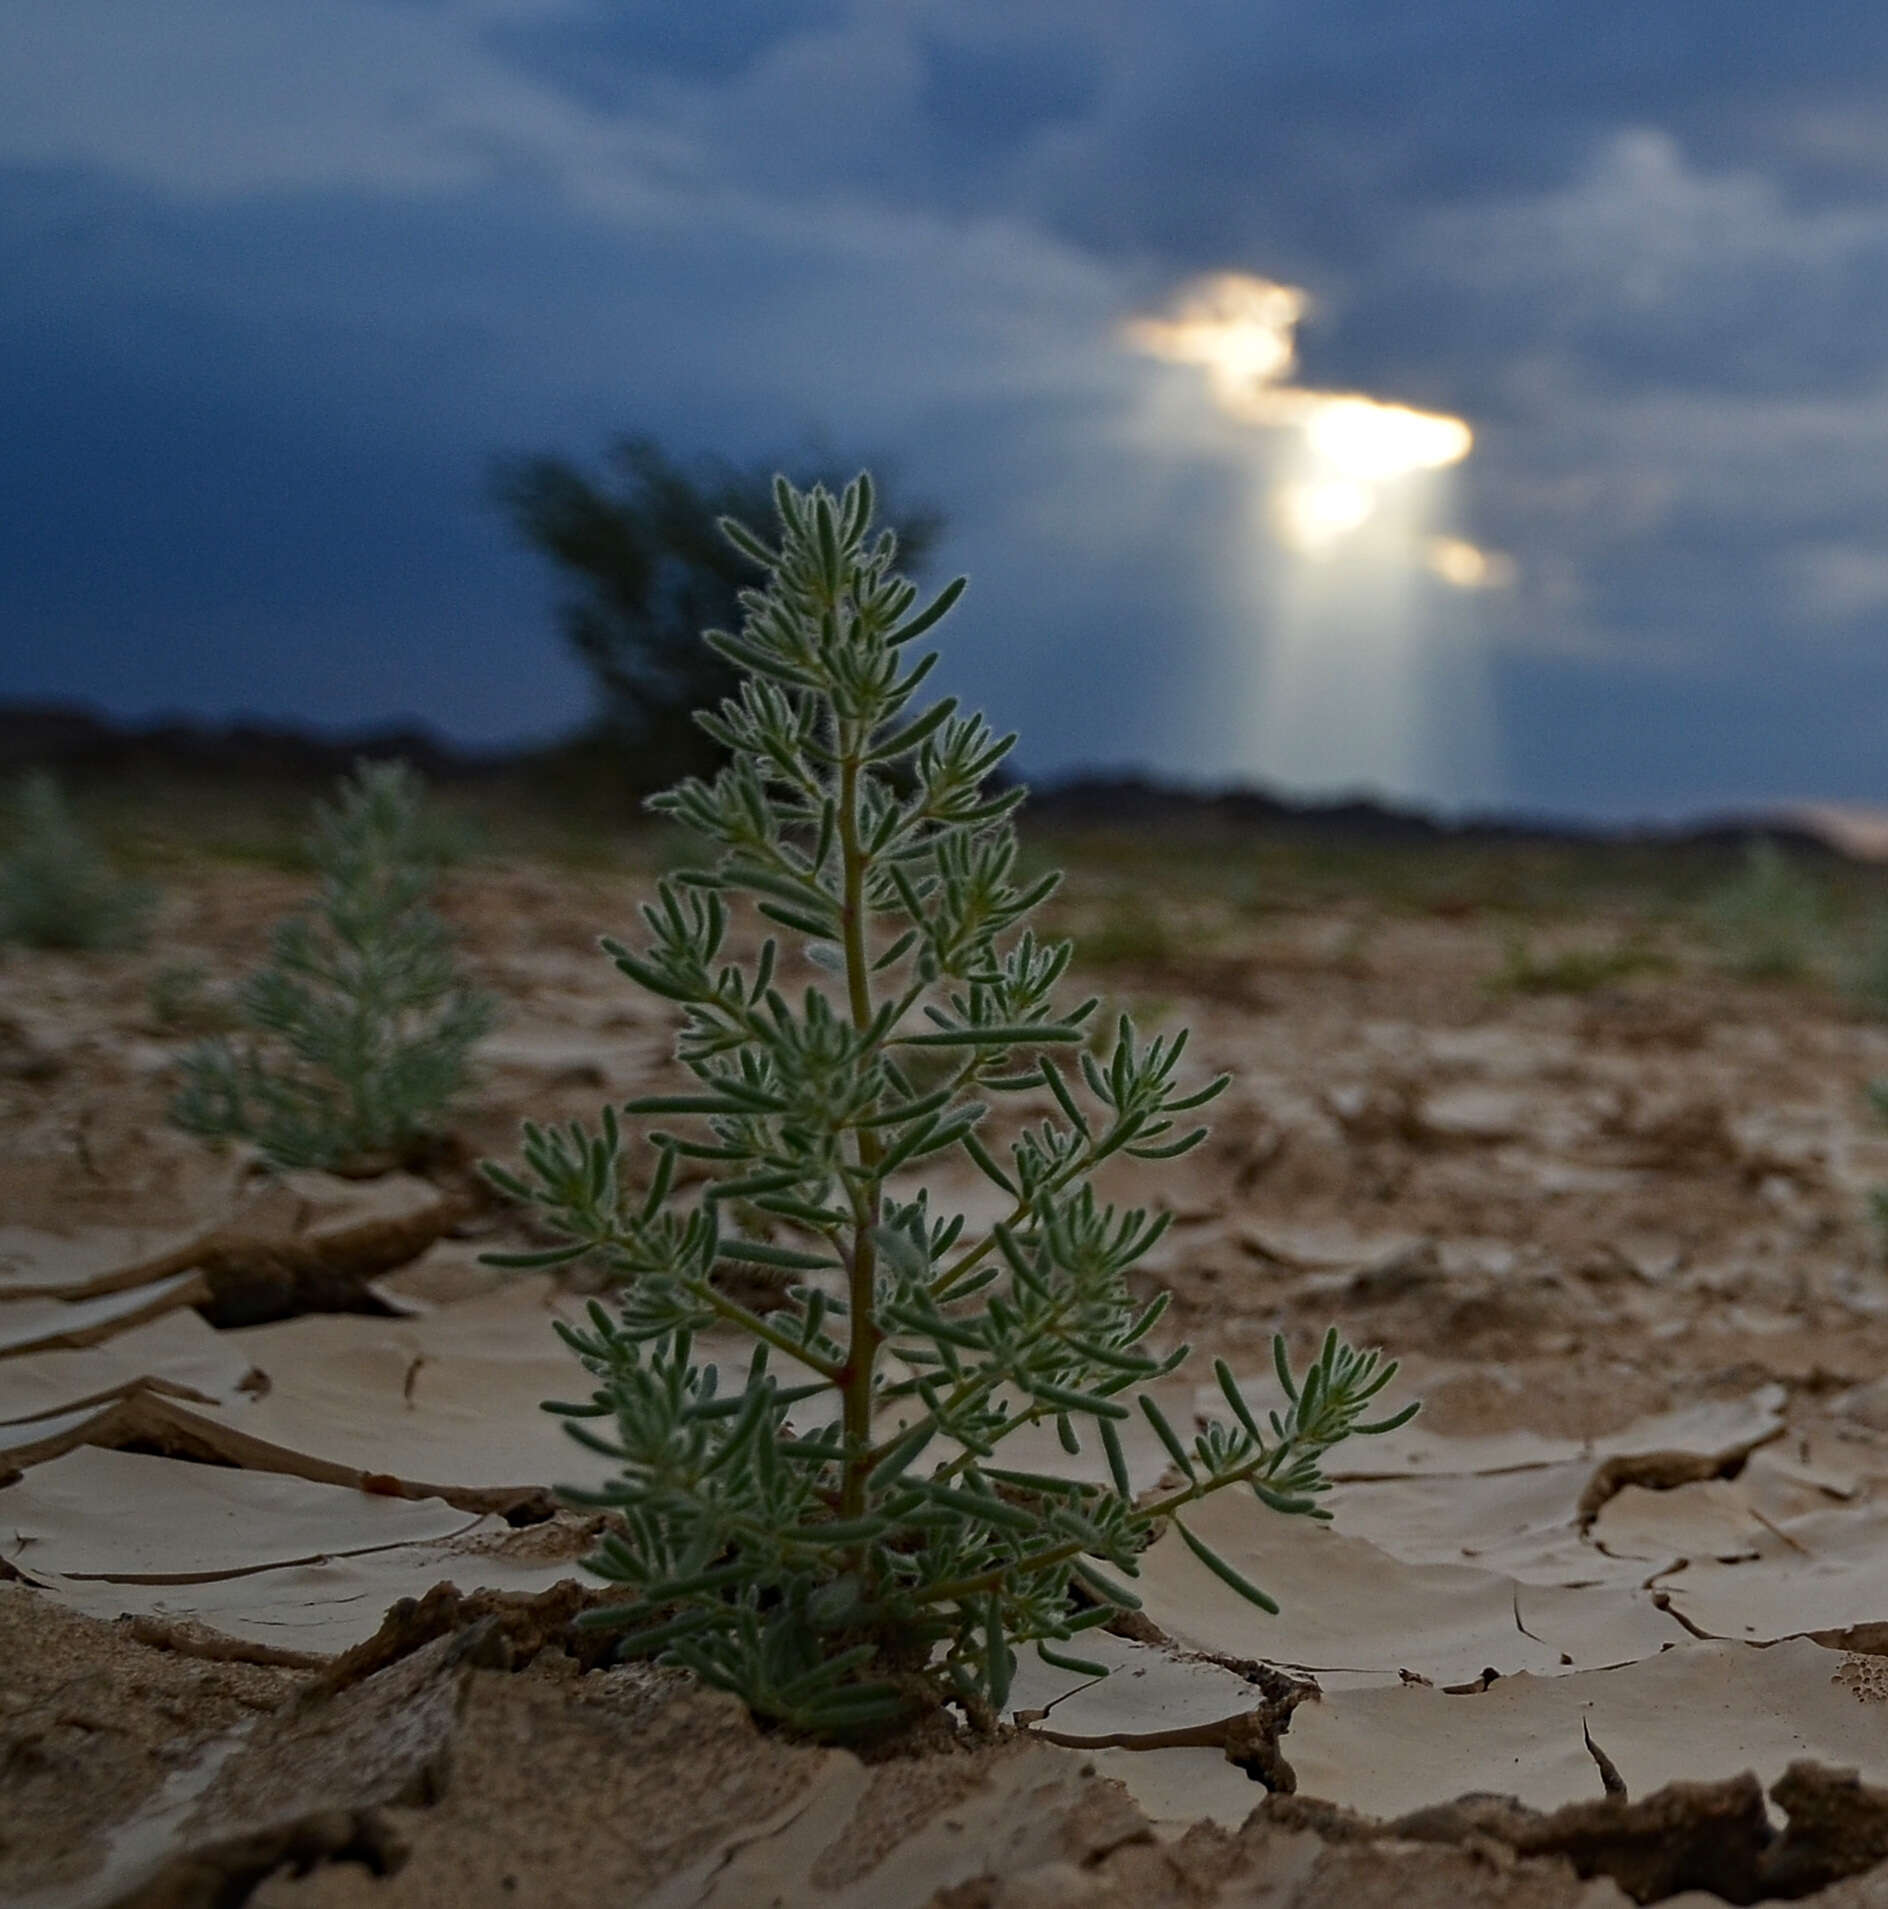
[1129, 934]
[1868, 972]
[362, 1026]
[1574, 970]
[834, 1535]
[1768, 920]
[56, 889]
[1878, 1196]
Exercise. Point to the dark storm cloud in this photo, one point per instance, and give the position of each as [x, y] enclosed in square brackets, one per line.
[1324, 129]
[263, 432]
[203, 526]
[607, 56]
[283, 279]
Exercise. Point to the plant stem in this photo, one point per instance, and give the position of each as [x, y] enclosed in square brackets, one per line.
[862, 1262]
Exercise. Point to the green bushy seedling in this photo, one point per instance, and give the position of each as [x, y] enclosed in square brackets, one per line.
[829, 1527]
[1878, 1196]
[361, 1025]
[56, 888]
[1867, 975]
[1129, 934]
[1574, 970]
[1769, 918]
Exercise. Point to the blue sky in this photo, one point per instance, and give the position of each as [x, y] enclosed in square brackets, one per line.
[280, 280]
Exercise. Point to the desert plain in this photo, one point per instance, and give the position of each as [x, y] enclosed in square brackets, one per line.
[1505, 1108]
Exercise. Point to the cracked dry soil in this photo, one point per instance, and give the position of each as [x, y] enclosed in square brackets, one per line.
[1618, 1236]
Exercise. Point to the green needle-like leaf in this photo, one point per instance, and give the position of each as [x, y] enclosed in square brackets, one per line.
[1225, 1572]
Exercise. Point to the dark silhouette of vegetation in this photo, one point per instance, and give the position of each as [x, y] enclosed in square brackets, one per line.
[57, 890]
[646, 570]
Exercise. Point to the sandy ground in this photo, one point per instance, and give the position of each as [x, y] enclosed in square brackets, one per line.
[1618, 1235]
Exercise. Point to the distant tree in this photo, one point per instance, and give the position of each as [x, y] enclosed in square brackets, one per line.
[647, 569]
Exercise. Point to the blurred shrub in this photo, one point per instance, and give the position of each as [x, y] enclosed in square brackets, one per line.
[363, 1027]
[1574, 970]
[1130, 934]
[57, 890]
[1768, 921]
[1868, 973]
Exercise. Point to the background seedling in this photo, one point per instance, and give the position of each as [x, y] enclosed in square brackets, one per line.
[362, 1027]
[1768, 920]
[56, 888]
[1574, 970]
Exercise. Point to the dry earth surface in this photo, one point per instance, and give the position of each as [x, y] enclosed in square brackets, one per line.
[1617, 1232]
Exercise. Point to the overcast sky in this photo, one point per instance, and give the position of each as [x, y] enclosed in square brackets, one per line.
[280, 279]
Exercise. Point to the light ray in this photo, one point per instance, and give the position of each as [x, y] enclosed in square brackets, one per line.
[1362, 682]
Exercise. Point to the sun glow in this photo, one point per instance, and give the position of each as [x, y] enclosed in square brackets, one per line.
[1242, 332]
[1363, 679]
[1365, 439]
[1315, 515]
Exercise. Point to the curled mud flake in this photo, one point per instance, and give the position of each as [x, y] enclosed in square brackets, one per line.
[1709, 1836]
[183, 1637]
[1475, 1685]
[1664, 1471]
[1714, 1837]
[509, 1629]
[254, 1278]
[1249, 1739]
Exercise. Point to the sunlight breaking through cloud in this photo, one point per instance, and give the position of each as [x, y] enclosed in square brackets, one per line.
[1241, 331]
[1363, 679]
